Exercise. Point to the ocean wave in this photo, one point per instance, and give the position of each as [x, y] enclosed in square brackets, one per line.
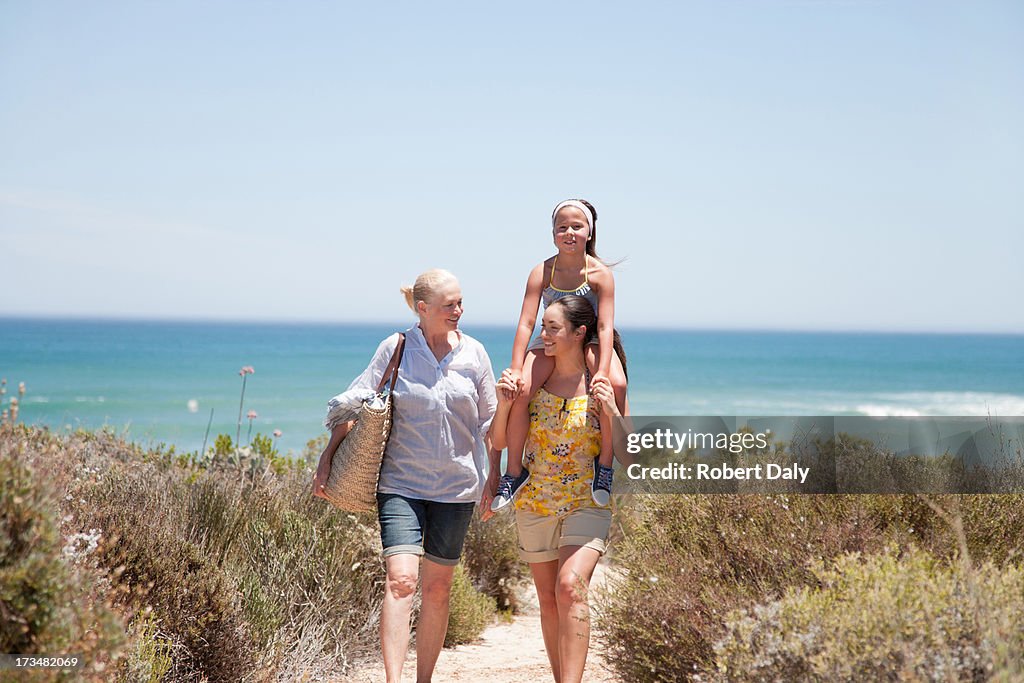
[877, 410]
[886, 404]
[937, 403]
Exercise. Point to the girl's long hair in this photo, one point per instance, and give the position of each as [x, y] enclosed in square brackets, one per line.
[579, 312]
[592, 242]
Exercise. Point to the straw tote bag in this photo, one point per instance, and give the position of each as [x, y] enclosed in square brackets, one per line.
[355, 467]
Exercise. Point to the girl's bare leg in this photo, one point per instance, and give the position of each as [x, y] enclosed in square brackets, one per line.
[618, 379]
[536, 369]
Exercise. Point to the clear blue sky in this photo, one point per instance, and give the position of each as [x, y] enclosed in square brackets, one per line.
[794, 165]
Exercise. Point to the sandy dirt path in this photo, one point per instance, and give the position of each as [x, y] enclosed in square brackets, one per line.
[505, 653]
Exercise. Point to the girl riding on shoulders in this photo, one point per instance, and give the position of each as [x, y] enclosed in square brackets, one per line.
[575, 269]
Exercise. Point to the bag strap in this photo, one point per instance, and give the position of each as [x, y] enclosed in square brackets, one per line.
[390, 375]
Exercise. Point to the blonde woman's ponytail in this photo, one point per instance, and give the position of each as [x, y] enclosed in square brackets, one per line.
[407, 293]
[426, 286]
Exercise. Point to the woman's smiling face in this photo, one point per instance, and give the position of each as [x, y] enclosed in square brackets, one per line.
[556, 332]
[444, 309]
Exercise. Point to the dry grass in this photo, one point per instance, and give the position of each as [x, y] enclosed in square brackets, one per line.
[688, 563]
[219, 571]
[894, 616]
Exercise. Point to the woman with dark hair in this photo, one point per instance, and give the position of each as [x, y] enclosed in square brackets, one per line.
[562, 530]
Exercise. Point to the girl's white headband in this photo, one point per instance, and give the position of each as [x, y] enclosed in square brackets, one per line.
[575, 203]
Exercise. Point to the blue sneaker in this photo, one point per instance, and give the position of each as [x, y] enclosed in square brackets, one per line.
[601, 488]
[508, 488]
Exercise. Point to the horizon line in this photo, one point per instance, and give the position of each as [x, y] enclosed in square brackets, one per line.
[640, 328]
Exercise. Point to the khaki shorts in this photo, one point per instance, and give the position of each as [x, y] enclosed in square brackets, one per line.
[540, 536]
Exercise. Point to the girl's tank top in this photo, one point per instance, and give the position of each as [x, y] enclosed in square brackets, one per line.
[550, 294]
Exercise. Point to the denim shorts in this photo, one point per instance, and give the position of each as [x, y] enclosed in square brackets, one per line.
[423, 527]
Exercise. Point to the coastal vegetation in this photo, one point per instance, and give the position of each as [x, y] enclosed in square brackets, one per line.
[157, 566]
[218, 565]
[764, 587]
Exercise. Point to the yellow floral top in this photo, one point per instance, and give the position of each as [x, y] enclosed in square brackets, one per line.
[564, 439]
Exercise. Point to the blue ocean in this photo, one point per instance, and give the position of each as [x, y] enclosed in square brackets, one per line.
[159, 381]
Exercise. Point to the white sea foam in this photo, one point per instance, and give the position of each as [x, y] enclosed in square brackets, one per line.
[874, 410]
[961, 403]
[885, 404]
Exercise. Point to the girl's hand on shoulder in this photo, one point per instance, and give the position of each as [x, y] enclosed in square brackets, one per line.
[601, 389]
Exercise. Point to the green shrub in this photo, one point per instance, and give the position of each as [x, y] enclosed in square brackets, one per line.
[263, 446]
[687, 561]
[276, 564]
[314, 448]
[470, 611]
[491, 558]
[32, 577]
[994, 526]
[881, 617]
[223, 446]
[49, 603]
[195, 603]
[232, 573]
[151, 660]
[304, 565]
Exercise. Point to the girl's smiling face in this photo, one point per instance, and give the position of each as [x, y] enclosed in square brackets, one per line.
[557, 334]
[571, 230]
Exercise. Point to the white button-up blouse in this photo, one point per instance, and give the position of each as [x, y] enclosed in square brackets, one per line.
[442, 410]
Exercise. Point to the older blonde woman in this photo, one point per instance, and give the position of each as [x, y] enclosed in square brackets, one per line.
[434, 465]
